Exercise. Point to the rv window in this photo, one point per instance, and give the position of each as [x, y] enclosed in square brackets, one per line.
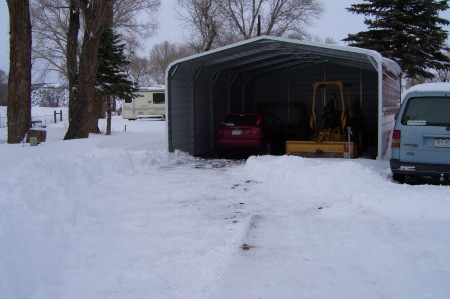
[158, 98]
[128, 100]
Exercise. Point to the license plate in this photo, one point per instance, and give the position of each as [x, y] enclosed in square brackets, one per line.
[441, 142]
[236, 132]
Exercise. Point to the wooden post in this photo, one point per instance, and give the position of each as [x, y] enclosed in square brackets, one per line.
[60, 115]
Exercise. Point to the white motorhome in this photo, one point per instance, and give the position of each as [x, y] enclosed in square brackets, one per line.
[150, 103]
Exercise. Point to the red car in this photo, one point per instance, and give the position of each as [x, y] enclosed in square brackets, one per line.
[261, 133]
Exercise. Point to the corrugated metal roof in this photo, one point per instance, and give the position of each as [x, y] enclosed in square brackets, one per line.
[267, 53]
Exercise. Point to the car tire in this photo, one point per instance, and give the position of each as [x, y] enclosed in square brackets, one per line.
[221, 154]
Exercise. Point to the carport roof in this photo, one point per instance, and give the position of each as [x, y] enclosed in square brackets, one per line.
[266, 54]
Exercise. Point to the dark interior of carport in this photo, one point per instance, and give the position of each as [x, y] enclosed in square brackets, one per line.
[265, 74]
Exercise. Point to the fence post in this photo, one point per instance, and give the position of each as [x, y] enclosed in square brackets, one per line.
[60, 115]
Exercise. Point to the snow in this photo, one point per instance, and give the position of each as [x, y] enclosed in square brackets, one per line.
[120, 217]
[427, 87]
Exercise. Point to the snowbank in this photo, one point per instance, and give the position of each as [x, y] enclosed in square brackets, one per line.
[120, 217]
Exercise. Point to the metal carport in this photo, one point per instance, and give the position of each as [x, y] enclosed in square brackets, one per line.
[242, 77]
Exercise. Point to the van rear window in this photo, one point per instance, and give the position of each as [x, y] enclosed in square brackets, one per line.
[427, 111]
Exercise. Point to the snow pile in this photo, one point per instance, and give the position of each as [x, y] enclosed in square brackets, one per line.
[335, 175]
[120, 217]
[341, 182]
[40, 203]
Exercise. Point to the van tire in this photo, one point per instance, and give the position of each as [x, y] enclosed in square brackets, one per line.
[400, 178]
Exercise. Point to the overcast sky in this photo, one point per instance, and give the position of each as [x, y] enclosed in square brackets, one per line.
[336, 23]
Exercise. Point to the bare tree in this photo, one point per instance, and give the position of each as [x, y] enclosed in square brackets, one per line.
[139, 71]
[204, 17]
[134, 18]
[19, 83]
[218, 22]
[71, 53]
[62, 19]
[51, 26]
[410, 82]
[318, 39]
[96, 16]
[162, 55]
[330, 40]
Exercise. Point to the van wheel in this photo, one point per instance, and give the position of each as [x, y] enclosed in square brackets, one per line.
[400, 178]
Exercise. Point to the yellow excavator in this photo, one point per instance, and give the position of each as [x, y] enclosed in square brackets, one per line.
[330, 138]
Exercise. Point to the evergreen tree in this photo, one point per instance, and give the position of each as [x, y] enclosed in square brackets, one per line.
[407, 31]
[111, 79]
[111, 62]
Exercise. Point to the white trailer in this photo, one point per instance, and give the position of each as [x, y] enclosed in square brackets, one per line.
[150, 103]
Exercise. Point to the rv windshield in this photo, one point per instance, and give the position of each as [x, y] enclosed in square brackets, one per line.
[427, 111]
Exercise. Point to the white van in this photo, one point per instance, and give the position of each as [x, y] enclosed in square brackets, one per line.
[150, 103]
[421, 137]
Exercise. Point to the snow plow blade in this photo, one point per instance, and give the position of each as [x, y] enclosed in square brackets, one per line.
[325, 149]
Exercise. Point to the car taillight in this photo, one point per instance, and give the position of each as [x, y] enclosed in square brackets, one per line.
[259, 120]
[396, 138]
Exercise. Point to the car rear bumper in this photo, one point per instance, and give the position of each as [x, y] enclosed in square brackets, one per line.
[241, 143]
[419, 169]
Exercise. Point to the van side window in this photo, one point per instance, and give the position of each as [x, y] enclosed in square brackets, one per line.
[158, 98]
[432, 111]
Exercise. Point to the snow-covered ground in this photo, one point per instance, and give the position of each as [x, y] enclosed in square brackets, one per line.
[120, 217]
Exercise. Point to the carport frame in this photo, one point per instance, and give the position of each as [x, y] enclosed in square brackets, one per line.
[184, 135]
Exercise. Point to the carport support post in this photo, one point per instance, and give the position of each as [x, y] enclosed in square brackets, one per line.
[195, 75]
[211, 111]
[380, 111]
[192, 116]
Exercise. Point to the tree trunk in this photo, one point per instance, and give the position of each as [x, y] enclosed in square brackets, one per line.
[19, 84]
[102, 107]
[71, 53]
[96, 17]
[82, 106]
[96, 106]
[108, 113]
